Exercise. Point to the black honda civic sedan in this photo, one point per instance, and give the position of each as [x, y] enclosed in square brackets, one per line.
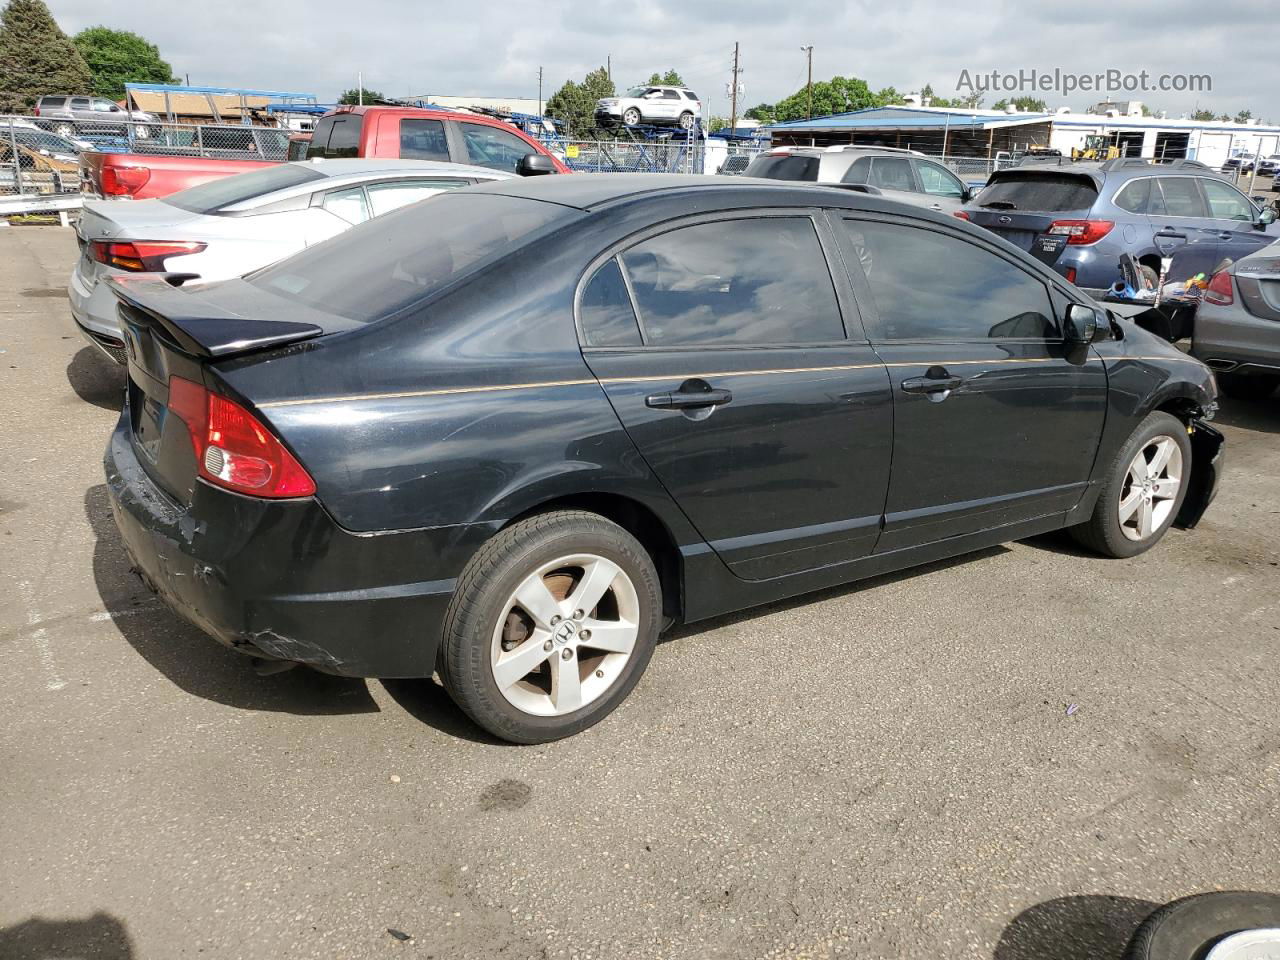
[509, 434]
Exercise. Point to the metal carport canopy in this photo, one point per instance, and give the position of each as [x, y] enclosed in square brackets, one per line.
[910, 118]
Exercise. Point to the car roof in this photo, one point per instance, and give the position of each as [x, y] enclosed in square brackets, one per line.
[357, 166]
[594, 191]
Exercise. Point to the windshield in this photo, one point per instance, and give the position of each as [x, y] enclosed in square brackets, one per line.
[784, 167]
[219, 194]
[1044, 192]
[396, 260]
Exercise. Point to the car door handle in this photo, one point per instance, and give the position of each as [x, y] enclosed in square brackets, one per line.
[1171, 234]
[683, 400]
[930, 384]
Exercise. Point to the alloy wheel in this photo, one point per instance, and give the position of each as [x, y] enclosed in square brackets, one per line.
[1150, 488]
[631, 117]
[565, 635]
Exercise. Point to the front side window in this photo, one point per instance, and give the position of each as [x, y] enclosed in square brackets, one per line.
[735, 282]
[423, 140]
[348, 204]
[891, 173]
[608, 319]
[104, 106]
[967, 293]
[491, 147]
[385, 197]
[938, 181]
[1178, 197]
[1226, 203]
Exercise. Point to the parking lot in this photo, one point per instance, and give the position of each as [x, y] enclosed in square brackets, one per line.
[1016, 754]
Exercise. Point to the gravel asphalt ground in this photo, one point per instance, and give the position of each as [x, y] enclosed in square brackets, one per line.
[892, 769]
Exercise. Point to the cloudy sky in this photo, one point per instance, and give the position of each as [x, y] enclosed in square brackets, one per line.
[495, 49]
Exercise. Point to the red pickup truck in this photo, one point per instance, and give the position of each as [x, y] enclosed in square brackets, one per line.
[409, 133]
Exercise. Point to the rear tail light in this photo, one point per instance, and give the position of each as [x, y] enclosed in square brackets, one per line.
[36, 110]
[1081, 232]
[124, 181]
[1071, 274]
[960, 214]
[141, 256]
[233, 449]
[1219, 290]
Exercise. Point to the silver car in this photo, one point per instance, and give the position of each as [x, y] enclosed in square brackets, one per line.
[906, 175]
[229, 227]
[1237, 325]
[67, 114]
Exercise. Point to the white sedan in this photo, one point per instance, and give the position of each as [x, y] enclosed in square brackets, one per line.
[229, 227]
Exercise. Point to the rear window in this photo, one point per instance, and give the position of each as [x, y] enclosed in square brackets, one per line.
[1041, 192]
[784, 167]
[394, 261]
[217, 195]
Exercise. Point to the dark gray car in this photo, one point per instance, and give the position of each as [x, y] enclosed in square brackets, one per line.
[1237, 325]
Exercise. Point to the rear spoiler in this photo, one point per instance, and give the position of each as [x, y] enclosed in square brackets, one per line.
[198, 326]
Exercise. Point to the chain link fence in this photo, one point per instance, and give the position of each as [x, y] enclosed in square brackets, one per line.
[35, 161]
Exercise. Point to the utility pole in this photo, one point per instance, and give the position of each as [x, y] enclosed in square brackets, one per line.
[733, 96]
[608, 66]
[539, 91]
[808, 87]
[360, 87]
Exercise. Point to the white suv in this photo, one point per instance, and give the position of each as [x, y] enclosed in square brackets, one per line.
[658, 105]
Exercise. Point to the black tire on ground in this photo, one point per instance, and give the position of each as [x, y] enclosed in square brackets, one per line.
[1101, 532]
[1187, 929]
[1248, 386]
[479, 598]
[630, 117]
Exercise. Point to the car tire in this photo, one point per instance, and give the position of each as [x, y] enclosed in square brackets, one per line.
[1248, 386]
[1188, 929]
[513, 607]
[1132, 515]
[631, 117]
[66, 130]
[686, 121]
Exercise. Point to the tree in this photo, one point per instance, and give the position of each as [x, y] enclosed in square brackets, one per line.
[116, 57]
[353, 95]
[837, 95]
[1025, 104]
[36, 58]
[1204, 115]
[764, 112]
[574, 104]
[1244, 116]
[669, 79]
[717, 123]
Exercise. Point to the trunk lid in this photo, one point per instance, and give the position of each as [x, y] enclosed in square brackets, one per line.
[1258, 280]
[1021, 205]
[170, 332]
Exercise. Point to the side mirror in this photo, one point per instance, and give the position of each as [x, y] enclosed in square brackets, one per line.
[535, 165]
[1085, 324]
[966, 195]
[1267, 216]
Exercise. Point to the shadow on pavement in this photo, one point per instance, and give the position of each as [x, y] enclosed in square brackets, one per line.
[193, 661]
[428, 702]
[98, 937]
[1073, 928]
[96, 380]
[830, 593]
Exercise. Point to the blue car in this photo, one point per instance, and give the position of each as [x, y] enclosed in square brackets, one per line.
[1079, 217]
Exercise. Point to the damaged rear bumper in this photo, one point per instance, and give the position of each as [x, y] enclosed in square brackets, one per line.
[279, 579]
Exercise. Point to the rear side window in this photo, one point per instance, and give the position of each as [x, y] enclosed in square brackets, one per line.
[734, 282]
[1041, 192]
[858, 171]
[1134, 196]
[349, 204]
[892, 173]
[967, 293]
[784, 167]
[423, 140]
[385, 197]
[605, 310]
[670, 95]
[217, 195]
[1177, 197]
[53, 103]
[336, 137]
[393, 262]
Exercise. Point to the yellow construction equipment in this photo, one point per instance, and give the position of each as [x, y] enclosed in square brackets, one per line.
[1096, 147]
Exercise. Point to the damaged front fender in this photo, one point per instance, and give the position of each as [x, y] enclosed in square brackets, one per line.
[1207, 452]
